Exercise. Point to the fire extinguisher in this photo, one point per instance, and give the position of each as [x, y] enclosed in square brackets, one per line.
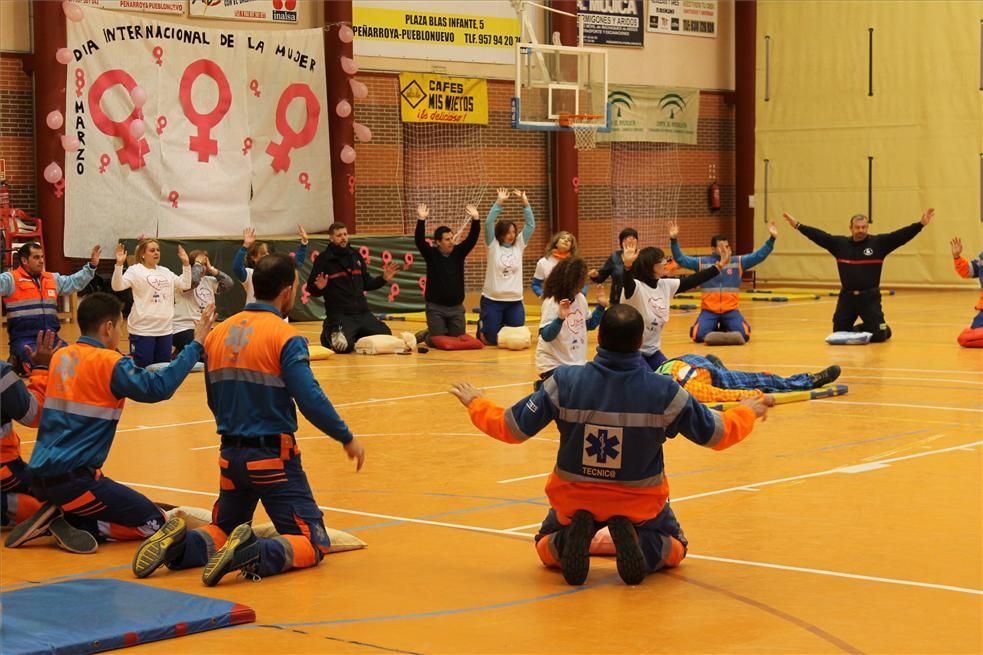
[713, 192]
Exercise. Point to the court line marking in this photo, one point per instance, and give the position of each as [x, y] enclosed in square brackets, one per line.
[812, 367]
[916, 379]
[908, 405]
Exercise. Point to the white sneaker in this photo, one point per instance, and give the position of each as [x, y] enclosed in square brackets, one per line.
[338, 341]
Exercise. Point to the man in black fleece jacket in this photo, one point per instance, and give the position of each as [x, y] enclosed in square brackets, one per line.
[859, 260]
[341, 276]
[444, 293]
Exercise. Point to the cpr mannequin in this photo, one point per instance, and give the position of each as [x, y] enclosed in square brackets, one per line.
[386, 344]
[514, 338]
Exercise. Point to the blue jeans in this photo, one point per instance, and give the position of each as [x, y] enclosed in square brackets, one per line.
[708, 322]
[494, 314]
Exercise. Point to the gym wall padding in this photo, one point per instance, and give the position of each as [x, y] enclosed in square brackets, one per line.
[923, 126]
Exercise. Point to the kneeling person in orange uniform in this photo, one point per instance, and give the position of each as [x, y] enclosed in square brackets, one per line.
[88, 383]
[256, 367]
[971, 337]
[613, 416]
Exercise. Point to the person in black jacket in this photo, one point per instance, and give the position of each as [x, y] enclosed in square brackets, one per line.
[859, 260]
[614, 267]
[341, 276]
[444, 293]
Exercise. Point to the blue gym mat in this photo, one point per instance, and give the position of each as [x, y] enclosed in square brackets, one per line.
[91, 616]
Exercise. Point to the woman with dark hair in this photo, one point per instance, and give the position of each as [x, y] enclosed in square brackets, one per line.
[565, 323]
[252, 251]
[501, 297]
[647, 290]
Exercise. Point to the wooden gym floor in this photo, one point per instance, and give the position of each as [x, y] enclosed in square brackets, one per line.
[844, 525]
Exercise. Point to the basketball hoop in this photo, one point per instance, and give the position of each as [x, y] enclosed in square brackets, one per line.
[584, 128]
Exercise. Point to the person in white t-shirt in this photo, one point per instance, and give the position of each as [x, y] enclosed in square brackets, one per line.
[501, 296]
[650, 293]
[206, 283]
[562, 245]
[154, 287]
[252, 251]
[565, 321]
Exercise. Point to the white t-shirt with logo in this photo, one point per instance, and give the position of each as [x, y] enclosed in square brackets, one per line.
[503, 275]
[247, 284]
[570, 345]
[544, 267]
[153, 297]
[189, 304]
[653, 305]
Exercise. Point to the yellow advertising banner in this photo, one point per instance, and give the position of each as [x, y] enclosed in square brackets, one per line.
[426, 98]
[422, 27]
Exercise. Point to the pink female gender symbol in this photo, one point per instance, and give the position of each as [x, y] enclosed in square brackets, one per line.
[423, 284]
[407, 261]
[351, 183]
[79, 82]
[393, 291]
[290, 139]
[60, 188]
[202, 143]
[104, 160]
[254, 87]
[386, 257]
[134, 148]
[173, 196]
[575, 183]
[364, 252]
[161, 124]
[158, 55]
[247, 145]
[305, 179]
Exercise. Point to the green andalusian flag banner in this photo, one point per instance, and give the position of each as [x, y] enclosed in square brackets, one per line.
[653, 113]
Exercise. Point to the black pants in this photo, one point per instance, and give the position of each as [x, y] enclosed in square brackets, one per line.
[353, 326]
[865, 305]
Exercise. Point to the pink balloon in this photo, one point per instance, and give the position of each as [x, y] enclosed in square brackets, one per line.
[343, 109]
[362, 133]
[139, 96]
[348, 65]
[72, 11]
[138, 128]
[54, 119]
[345, 34]
[70, 143]
[359, 90]
[348, 154]
[63, 55]
[52, 172]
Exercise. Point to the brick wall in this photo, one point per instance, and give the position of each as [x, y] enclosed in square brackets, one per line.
[17, 132]
[621, 184]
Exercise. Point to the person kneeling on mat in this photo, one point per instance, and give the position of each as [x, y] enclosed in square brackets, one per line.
[859, 261]
[88, 383]
[720, 322]
[708, 380]
[611, 472]
[256, 367]
[971, 337]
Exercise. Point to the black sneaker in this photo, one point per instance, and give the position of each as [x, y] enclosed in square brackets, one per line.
[713, 359]
[240, 553]
[575, 554]
[34, 526]
[163, 547]
[826, 376]
[72, 539]
[631, 559]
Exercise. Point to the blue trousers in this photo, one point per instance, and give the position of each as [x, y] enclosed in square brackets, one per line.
[150, 350]
[653, 535]
[251, 475]
[494, 314]
[708, 322]
[19, 349]
[106, 509]
[767, 382]
[655, 360]
[15, 480]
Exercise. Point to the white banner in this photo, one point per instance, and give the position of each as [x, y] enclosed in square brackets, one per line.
[685, 17]
[149, 6]
[236, 131]
[270, 11]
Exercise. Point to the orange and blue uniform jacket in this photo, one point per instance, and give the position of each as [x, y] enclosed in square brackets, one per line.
[251, 390]
[32, 302]
[87, 387]
[970, 269]
[613, 416]
[721, 294]
[21, 403]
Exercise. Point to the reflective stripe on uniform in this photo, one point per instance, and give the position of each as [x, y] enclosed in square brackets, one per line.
[83, 409]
